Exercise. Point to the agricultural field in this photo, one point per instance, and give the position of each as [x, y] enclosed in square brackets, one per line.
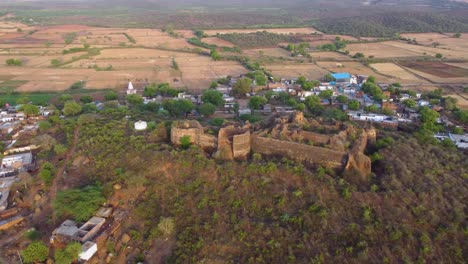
[272, 52]
[110, 57]
[294, 70]
[437, 73]
[218, 42]
[325, 55]
[380, 50]
[353, 68]
[395, 71]
[437, 69]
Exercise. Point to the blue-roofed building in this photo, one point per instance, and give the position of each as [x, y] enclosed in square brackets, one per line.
[342, 77]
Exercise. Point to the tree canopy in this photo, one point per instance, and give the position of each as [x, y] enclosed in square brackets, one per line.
[242, 86]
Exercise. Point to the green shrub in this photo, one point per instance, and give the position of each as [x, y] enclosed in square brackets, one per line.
[35, 252]
[80, 204]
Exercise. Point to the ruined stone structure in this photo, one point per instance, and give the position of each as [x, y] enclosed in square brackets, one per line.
[195, 132]
[234, 143]
[341, 149]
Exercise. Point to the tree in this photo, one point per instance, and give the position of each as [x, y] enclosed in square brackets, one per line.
[328, 78]
[213, 97]
[150, 91]
[371, 108]
[457, 35]
[410, 103]
[199, 33]
[462, 116]
[80, 204]
[215, 55]
[111, 95]
[55, 62]
[13, 62]
[30, 110]
[256, 102]
[47, 173]
[242, 86]
[342, 99]
[327, 94]
[371, 79]
[178, 107]
[449, 103]
[69, 254]
[354, 105]
[439, 56]
[185, 142]
[77, 85]
[358, 55]
[71, 108]
[65, 97]
[35, 252]
[260, 78]
[428, 115]
[85, 99]
[314, 105]
[134, 99]
[207, 109]
[213, 85]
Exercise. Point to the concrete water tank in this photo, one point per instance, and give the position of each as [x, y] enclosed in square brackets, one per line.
[141, 125]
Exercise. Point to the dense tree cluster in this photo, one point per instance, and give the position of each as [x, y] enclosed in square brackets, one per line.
[391, 23]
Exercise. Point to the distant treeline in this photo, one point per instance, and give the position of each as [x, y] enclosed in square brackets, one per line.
[259, 39]
[389, 24]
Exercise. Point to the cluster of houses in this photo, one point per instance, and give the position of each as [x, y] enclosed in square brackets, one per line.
[344, 84]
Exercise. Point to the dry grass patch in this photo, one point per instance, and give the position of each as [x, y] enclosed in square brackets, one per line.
[294, 70]
[397, 72]
[218, 42]
[140, 53]
[273, 52]
[324, 55]
[380, 50]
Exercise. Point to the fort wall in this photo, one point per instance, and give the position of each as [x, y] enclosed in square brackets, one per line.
[299, 152]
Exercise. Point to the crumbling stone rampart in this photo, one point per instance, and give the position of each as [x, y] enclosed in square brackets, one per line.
[233, 143]
[286, 137]
[195, 132]
[299, 152]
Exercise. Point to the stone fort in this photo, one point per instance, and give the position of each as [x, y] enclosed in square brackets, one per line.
[340, 146]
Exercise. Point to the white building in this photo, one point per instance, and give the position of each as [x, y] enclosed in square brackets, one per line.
[141, 125]
[88, 250]
[130, 89]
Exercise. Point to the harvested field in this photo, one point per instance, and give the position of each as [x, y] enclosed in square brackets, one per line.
[437, 69]
[353, 68]
[451, 54]
[459, 65]
[325, 55]
[436, 79]
[446, 41]
[380, 50]
[218, 42]
[123, 64]
[397, 72]
[292, 71]
[139, 53]
[273, 52]
[272, 30]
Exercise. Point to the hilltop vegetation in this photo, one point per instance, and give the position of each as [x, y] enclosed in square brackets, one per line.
[277, 211]
[389, 24]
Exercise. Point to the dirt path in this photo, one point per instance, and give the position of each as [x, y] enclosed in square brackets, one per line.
[61, 169]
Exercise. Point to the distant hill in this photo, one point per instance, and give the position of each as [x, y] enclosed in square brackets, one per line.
[388, 24]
